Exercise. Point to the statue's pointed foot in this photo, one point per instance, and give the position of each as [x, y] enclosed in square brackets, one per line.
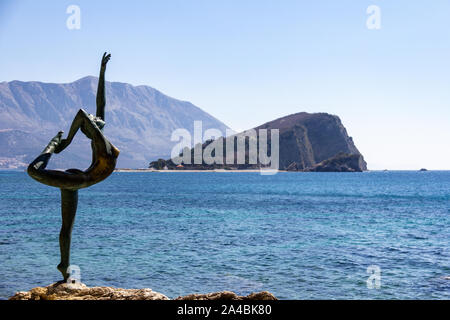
[63, 269]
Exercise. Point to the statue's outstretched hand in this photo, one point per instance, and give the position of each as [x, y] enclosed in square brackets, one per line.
[105, 59]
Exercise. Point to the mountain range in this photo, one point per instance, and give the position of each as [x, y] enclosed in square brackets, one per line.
[139, 121]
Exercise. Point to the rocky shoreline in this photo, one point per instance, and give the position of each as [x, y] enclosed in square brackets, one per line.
[79, 291]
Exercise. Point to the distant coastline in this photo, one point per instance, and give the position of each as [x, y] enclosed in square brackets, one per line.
[182, 170]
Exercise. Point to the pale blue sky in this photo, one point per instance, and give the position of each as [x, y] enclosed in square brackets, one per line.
[248, 62]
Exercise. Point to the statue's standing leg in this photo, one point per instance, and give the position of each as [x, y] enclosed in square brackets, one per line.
[69, 201]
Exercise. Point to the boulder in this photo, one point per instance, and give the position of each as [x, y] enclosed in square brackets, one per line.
[228, 295]
[341, 162]
[79, 291]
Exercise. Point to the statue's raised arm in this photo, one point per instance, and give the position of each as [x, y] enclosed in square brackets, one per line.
[101, 100]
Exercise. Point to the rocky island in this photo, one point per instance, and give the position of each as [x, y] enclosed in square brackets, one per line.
[307, 142]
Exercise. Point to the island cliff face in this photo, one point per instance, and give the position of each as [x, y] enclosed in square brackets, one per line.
[307, 139]
[307, 142]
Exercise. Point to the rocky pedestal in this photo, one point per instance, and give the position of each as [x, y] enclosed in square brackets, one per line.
[79, 291]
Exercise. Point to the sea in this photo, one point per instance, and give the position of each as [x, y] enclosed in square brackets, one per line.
[370, 235]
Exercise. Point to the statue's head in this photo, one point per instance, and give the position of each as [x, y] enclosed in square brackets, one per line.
[98, 121]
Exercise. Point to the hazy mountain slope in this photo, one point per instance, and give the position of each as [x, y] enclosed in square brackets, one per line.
[139, 120]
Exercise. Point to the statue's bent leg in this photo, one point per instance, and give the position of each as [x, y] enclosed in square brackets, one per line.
[36, 168]
[69, 201]
[70, 179]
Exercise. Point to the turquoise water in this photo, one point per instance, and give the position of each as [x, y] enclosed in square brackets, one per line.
[298, 235]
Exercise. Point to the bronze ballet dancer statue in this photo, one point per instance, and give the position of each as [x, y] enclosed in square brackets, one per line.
[104, 156]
